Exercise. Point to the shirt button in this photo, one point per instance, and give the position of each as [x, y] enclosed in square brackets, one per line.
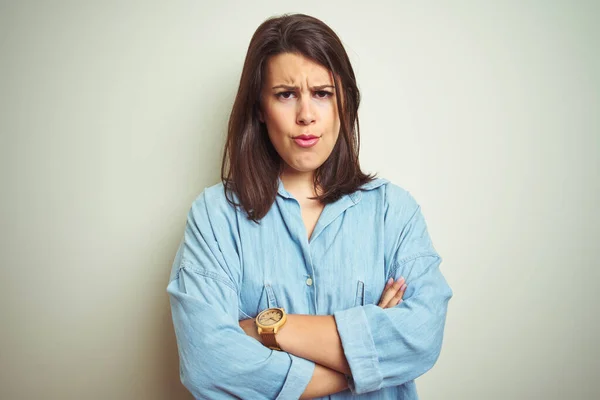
[309, 282]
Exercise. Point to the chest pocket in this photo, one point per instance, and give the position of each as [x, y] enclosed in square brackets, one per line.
[266, 299]
[363, 295]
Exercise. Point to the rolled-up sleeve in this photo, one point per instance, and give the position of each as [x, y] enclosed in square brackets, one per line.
[389, 347]
[217, 359]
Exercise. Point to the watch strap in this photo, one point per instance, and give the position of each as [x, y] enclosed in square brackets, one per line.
[270, 341]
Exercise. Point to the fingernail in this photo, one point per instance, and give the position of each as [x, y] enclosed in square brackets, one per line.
[390, 281]
[401, 278]
[403, 287]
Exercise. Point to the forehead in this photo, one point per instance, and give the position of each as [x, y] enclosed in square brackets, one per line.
[295, 69]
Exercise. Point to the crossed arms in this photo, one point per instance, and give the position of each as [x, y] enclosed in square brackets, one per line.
[316, 338]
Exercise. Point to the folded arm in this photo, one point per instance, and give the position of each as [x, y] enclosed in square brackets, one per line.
[217, 359]
[316, 337]
[394, 346]
[374, 346]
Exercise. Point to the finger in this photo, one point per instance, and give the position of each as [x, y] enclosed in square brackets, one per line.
[389, 283]
[397, 299]
[391, 291]
[387, 286]
[403, 290]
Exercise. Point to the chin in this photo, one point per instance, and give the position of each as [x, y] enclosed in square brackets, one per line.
[303, 167]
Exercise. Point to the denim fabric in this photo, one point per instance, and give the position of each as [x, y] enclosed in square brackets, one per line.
[228, 268]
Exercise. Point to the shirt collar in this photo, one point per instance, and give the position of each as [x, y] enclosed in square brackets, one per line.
[375, 183]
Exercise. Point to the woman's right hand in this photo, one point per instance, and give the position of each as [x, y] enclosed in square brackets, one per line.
[392, 293]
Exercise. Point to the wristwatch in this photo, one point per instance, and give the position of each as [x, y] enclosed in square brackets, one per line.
[269, 322]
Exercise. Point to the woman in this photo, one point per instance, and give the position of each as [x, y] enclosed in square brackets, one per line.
[275, 286]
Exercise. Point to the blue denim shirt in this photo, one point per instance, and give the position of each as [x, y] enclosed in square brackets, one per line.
[228, 268]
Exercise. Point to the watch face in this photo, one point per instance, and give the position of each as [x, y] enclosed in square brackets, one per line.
[270, 317]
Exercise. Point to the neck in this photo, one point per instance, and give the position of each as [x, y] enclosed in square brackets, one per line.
[298, 183]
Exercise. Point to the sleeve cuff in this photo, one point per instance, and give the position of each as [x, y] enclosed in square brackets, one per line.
[298, 377]
[359, 348]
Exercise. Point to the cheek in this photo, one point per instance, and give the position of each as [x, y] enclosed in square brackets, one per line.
[334, 122]
[330, 113]
[278, 129]
[279, 118]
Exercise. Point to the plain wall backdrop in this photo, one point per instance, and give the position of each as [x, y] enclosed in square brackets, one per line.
[113, 118]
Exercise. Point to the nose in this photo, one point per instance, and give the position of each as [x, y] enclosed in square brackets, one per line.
[306, 114]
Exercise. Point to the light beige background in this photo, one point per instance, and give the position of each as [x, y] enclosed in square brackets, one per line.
[112, 116]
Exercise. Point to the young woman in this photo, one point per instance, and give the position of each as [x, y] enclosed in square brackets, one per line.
[299, 276]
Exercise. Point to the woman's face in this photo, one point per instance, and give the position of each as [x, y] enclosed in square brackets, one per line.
[298, 98]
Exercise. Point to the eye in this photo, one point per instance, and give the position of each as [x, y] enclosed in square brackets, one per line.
[323, 94]
[284, 95]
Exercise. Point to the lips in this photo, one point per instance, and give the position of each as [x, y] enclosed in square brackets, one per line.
[306, 140]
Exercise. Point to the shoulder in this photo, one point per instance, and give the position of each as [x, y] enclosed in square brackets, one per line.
[395, 197]
[213, 197]
[211, 206]
[404, 223]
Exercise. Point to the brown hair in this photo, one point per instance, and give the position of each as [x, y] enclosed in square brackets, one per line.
[251, 166]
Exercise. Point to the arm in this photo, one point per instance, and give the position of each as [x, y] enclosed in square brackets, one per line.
[316, 337]
[393, 346]
[378, 347]
[313, 337]
[324, 382]
[217, 359]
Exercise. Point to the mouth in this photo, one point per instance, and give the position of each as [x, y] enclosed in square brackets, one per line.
[306, 141]
[306, 137]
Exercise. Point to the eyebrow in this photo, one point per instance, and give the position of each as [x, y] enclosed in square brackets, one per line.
[287, 87]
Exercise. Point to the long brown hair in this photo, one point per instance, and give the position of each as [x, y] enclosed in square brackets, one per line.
[251, 166]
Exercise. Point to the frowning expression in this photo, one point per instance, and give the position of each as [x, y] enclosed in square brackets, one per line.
[299, 98]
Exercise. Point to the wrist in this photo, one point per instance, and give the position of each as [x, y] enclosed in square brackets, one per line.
[255, 334]
[269, 324]
[284, 332]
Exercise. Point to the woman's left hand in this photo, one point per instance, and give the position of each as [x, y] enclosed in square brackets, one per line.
[249, 326]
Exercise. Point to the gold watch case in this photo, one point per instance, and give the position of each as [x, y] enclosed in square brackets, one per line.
[271, 319]
[269, 322]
